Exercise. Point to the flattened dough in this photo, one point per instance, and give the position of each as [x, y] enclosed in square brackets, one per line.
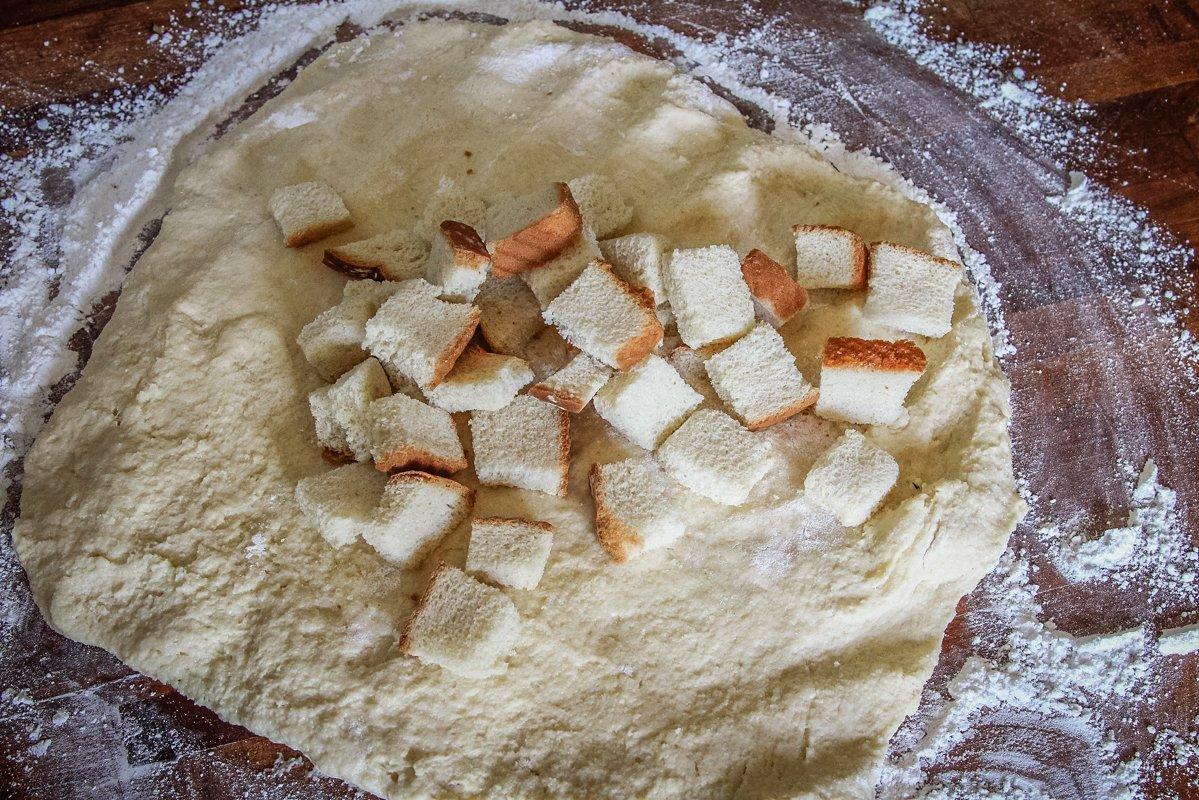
[769, 653]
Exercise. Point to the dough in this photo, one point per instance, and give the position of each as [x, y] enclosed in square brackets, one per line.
[769, 653]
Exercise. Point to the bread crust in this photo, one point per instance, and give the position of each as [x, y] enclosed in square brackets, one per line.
[449, 355]
[770, 285]
[880, 355]
[533, 523]
[542, 241]
[410, 457]
[563, 400]
[355, 269]
[788, 411]
[912, 251]
[421, 602]
[614, 536]
[564, 451]
[316, 232]
[861, 261]
[337, 458]
[466, 245]
[638, 347]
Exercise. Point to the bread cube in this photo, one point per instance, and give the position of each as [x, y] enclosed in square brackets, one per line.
[851, 478]
[341, 502]
[777, 298]
[757, 378]
[461, 625]
[458, 261]
[911, 290]
[551, 279]
[548, 352]
[510, 552]
[606, 318]
[637, 507]
[602, 204]
[416, 511]
[481, 381]
[332, 342]
[306, 212]
[711, 454]
[638, 259]
[646, 403]
[866, 381]
[406, 433]
[525, 444]
[420, 335]
[396, 255]
[529, 231]
[340, 411]
[510, 315]
[572, 387]
[711, 302]
[828, 257]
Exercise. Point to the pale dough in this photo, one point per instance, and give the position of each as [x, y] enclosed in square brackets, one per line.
[769, 653]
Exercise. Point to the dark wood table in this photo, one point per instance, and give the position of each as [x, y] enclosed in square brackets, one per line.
[1089, 389]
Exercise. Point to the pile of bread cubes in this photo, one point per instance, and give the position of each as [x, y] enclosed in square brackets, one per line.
[522, 312]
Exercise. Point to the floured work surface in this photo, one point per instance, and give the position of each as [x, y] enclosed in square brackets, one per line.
[158, 519]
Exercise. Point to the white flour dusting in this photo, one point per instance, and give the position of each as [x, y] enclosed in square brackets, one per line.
[70, 245]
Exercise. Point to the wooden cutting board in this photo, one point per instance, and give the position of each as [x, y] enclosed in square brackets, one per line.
[1085, 394]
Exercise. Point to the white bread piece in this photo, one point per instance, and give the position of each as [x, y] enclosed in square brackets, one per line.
[308, 211]
[341, 502]
[408, 434]
[332, 342]
[851, 478]
[690, 366]
[606, 318]
[397, 255]
[341, 413]
[529, 231]
[458, 261]
[602, 204]
[828, 257]
[711, 454]
[420, 335]
[572, 387]
[452, 201]
[638, 259]
[551, 279]
[510, 552]
[777, 298]
[867, 380]
[416, 511]
[510, 315]
[525, 444]
[757, 379]
[548, 352]
[481, 381]
[646, 403]
[461, 625]
[710, 300]
[911, 290]
[637, 507]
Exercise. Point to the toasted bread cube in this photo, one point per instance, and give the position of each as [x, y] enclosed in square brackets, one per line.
[416, 512]
[572, 387]
[911, 290]
[420, 335]
[406, 433]
[828, 257]
[481, 381]
[510, 315]
[340, 411]
[525, 444]
[510, 552]
[636, 507]
[332, 342]
[757, 378]
[867, 380]
[341, 503]
[551, 279]
[307, 212]
[603, 206]
[452, 201]
[458, 261]
[461, 625]
[777, 298]
[711, 302]
[690, 366]
[530, 231]
[711, 454]
[638, 259]
[606, 318]
[646, 403]
[397, 255]
[851, 478]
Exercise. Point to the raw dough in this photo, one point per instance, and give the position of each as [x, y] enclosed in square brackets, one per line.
[769, 653]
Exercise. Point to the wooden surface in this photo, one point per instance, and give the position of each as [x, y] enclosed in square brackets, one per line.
[1090, 389]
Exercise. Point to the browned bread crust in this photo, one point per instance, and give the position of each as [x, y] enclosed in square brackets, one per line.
[533, 523]
[541, 242]
[564, 451]
[337, 458]
[637, 348]
[848, 352]
[617, 538]
[861, 263]
[449, 355]
[769, 282]
[466, 244]
[410, 457]
[337, 260]
[567, 402]
[788, 411]
[945, 262]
